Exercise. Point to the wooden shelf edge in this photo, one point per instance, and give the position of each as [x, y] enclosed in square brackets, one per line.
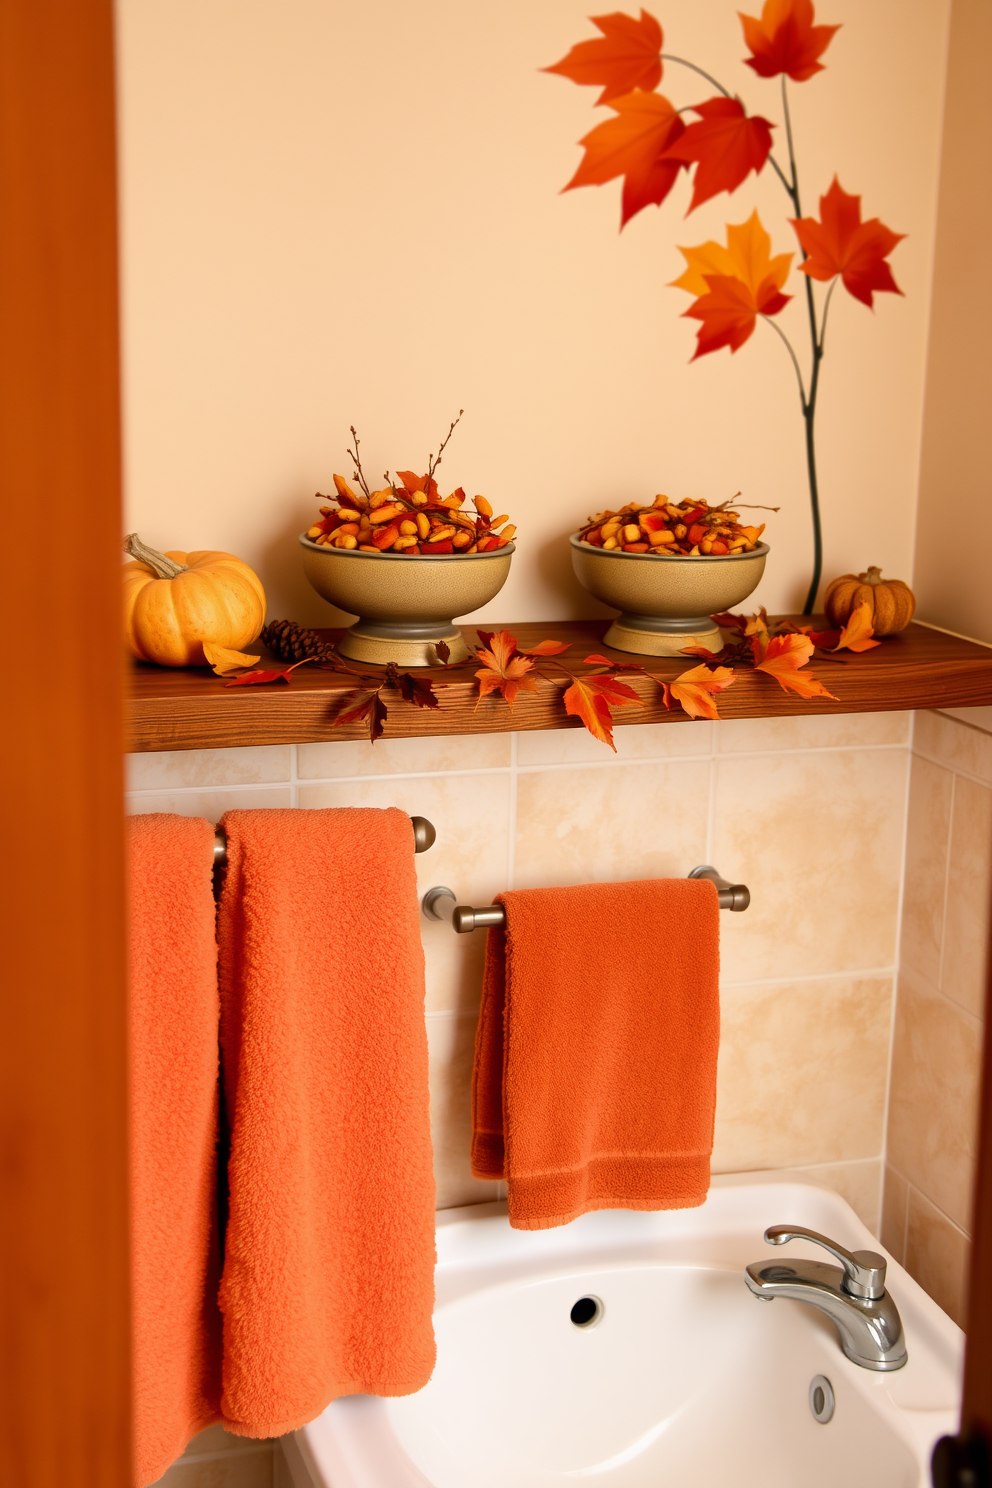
[173, 710]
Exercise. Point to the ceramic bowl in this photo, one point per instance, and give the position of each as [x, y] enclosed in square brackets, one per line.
[405, 605]
[666, 602]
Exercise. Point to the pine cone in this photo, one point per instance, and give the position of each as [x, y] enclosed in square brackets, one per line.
[292, 642]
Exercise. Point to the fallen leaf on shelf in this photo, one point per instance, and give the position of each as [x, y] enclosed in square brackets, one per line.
[251, 679]
[695, 690]
[781, 657]
[503, 670]
[590, 699]
[372, 708]
[223, 660]
[859, 632]
[545, 648]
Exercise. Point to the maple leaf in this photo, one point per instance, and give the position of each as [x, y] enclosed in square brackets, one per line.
[370, 707]
[224, 660]
[252, 679]
[747, 257]
[781, 658]
[840, 243]
[545, 648]
[633, 145]
[725, 143]
[442, 651]
[858, 633]
[590, 699]
[729, 621]
[695, 690]
[417, 690]
[503, 670]
[626, 56]
[734, 284]
[786, 40]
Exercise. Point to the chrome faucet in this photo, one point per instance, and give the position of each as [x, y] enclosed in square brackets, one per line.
[853, 1297]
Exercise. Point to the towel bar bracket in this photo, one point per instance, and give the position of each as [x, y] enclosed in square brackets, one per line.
[440, 903]
[424, 836]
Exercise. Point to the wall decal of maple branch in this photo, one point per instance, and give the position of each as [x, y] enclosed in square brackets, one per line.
[649, 143]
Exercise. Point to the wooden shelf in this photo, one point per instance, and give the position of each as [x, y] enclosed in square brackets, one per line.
[193, 709]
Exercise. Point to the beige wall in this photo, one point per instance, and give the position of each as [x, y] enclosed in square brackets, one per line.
[338, 213]
[952, 574]
[937, 1049]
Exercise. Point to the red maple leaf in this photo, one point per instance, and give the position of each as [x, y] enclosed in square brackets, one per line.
[725, 143]
[627, 56]
[591, 699]
[633, 145]
[503, 669]
[730, 311]
[786, 40]
[840, 243]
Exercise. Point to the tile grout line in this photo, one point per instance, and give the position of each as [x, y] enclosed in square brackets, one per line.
[890, 1060]
[711, 809]
[948, 848]
[924, 982]
[943, 764]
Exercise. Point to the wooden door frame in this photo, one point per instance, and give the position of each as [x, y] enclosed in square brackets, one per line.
[64, 1263]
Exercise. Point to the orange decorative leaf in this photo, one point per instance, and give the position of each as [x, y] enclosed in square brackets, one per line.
[370, 708]
[840, 243]
[503, 670]
[859, 631]
[224, 660]
[729, 313]
[695, 690]
[590, 698]
[786, 40]
[412, 482]
[544, 648]
[725, 144]
[781, 659]
[747, 257]
[626, 56]
[633, 145]
[252, 679]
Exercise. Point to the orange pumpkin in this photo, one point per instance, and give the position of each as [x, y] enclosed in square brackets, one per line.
[174, 602]
[891, 601]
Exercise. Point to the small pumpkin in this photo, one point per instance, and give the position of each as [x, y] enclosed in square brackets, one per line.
[174, 602]
[892, 602]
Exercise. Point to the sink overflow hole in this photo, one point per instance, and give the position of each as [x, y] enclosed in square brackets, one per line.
[586, 1311]
[821, 1398]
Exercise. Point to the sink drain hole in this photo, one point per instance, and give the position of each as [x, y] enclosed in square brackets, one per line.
[821, 1398]
[586, 1312]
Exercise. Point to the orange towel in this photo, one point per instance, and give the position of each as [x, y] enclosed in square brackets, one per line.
[173, 1014]
[595, 1062]
[328, 1284]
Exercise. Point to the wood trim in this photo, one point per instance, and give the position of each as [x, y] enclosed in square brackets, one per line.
[64, 1319]
[976, 1405]
[176, 709]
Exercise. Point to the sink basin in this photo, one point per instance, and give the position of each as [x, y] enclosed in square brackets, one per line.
[672, 1373]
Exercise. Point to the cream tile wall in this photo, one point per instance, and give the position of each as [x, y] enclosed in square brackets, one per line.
[809, 812]
[937, 1044]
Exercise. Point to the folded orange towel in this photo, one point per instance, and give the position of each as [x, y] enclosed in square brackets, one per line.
[173, 1040]
[595, 1063]
[328, 1283]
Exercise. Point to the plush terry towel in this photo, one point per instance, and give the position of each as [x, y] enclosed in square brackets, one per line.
[173, 1016]
[328, 1283]
[595, 1063]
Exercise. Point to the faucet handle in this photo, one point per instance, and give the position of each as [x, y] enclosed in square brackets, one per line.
[864, 1270]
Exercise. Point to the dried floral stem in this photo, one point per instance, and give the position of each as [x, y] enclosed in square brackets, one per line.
[433, 463]
[353, 455]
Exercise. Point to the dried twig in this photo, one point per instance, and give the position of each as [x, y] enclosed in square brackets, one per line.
[432, 464]
[356, 460]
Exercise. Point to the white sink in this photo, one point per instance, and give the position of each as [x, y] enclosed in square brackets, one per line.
[684, 1378]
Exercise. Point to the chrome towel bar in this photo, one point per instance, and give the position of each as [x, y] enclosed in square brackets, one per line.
[439, 903]
[424, 836]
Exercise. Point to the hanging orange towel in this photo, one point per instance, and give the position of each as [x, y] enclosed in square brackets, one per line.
[595, 1062]
[328, 1283]
[173, 1039]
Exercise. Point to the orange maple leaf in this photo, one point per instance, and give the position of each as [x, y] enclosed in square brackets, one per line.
[734, 284]
[840, 243]
[590, 699]
[781, 656]
[786, 40]
[626, 56]
[859, 631]
[725, 144]
[545, 648]
[694, 689]
[633, 145]
[503, 670]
